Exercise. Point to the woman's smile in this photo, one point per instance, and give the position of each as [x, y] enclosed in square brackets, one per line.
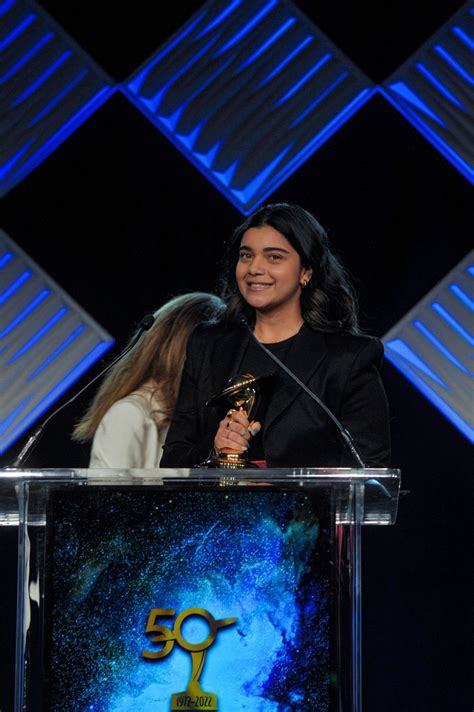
[269, 272]
[258, 286]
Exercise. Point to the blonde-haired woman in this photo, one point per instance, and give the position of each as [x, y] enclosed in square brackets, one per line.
[129, 416]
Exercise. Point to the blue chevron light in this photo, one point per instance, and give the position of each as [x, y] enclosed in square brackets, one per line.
[248, 91]
[48, 85]
[46, 342]
[433, 346]
[434, 90]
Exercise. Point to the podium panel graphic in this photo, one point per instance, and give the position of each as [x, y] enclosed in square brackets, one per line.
[190, 589]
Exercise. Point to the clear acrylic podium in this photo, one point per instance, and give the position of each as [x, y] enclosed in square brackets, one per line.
[143, 590]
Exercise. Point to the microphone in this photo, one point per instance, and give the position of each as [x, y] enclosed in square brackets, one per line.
[145, 324]
[344, 433]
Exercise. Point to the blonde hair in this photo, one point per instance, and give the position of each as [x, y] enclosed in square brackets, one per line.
[157, 357]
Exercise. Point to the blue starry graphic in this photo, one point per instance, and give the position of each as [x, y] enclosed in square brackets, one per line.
[258, 557]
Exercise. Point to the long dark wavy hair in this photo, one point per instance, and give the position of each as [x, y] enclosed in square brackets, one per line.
[328, 302]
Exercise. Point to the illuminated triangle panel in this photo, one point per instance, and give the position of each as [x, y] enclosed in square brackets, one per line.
[434, 90]
[433, 346]
[46, 342]
[248, 91]
[48, 87]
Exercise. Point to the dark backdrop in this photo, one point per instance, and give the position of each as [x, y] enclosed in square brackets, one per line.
[122, 221]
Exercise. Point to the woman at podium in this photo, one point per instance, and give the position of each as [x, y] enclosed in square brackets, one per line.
[128, 418]
[284, 288]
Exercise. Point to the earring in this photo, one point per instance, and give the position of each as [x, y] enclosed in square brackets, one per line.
[304, 283]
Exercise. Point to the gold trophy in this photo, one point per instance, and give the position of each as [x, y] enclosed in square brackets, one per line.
[242, 392]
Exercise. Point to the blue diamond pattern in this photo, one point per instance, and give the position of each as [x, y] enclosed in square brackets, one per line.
[248, 91]
[432, 346]
[434, 91]
[48, 86]
[46, 342]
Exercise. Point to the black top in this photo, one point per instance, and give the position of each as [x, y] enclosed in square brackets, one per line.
[341, 368]
[256, 362]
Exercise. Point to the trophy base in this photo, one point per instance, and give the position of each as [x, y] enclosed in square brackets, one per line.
[200, 701]
[228, 461]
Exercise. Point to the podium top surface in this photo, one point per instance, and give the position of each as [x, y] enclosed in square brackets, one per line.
[362, 495]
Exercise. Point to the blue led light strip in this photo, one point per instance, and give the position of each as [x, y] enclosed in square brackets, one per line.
[135, 84]
[319, 99]
[10, 164]
[38, 335]
[268, 43]
[453, 323]
[459, 32]
[220, 18]
[439, 346]
[59, 97]
[57, 351]
[251, 188]
[331, 126]
[19, 282]
[454, 64]
[64, 131]
[5, 6]
[6, 422]
[446, 150]
[432, 396]
[42, 78]
[59, 389]
[25, 312]
[250, 25]
[301, 82]
[5, 259]
[19, 29]
[26, 57]
[294, 53]
[155, 101]
[414, 361]
[431, 78]
[414, 100]
[462, 296]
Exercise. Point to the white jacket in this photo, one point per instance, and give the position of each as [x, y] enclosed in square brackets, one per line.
[129, 435]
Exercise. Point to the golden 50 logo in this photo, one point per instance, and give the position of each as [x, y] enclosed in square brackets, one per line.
[193, 698]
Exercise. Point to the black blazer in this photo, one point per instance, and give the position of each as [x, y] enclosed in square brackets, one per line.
[342, 369]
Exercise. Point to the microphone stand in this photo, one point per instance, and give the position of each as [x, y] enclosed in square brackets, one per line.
[345, 434]
[33, 440]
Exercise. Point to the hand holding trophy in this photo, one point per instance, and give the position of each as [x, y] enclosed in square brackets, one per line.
[236, 429]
